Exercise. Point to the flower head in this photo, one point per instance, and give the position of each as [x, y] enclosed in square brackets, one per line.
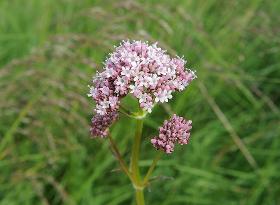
[175, 130]
[143, 70]
[101, 123]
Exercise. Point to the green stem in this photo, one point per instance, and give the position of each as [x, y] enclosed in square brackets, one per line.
[125, 113]
[137, 183]
[134, 172]
[140, 197]
[136, 150]
[119, 157]
[152, 167]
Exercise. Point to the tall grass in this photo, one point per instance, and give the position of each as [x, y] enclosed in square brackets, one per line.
[50, 49]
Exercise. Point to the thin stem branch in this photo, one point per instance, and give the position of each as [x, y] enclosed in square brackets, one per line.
[119, 157]
[125, 109]
[125, 113]
[152, 167]
[132, 114]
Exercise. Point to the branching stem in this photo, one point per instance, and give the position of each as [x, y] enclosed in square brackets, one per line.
[151, 169]
[119, 157]
[134, 172]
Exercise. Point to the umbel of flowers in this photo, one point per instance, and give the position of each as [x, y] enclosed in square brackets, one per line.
[149, 74]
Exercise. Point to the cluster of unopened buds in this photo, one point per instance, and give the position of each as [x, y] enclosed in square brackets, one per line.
[151, 76]
[177, 129]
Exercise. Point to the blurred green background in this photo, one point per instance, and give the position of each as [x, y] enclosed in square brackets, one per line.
[49, 51]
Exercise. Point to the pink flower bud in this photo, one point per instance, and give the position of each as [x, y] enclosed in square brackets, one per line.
[175, 130]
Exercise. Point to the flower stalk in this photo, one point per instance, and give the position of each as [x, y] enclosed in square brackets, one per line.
[134, 172]
[150, 75]
[136, 175]
[135, 152]
[140, 200]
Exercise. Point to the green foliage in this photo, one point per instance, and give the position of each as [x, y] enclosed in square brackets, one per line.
[50, 49]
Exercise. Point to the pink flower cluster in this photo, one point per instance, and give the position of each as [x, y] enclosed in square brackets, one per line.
[143, 70]
[101, 123]
[177, 129]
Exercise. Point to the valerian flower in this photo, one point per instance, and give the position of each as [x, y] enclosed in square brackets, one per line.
[175, 130]
[151, 76]
[143, 70]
